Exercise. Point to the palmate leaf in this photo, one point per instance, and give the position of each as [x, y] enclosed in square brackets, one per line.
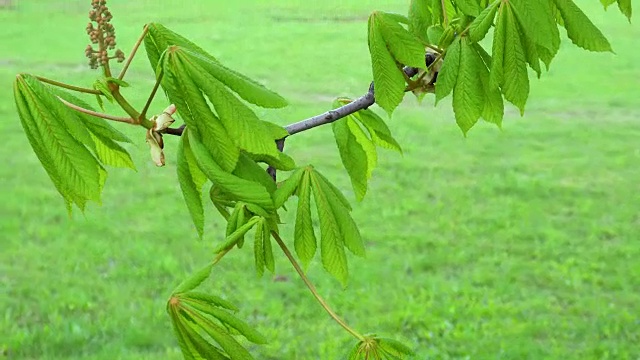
[516, 79]
[373, 347]
[57, 142]
[203, 324]
[469, 7]
[580, 29]
[233, 126]
[337, 228]
[263, 253]
[357, 148]
[468, 93]
[403, 45]
[482, 23]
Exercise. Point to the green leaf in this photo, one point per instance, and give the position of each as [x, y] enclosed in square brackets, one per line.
[516, 79]
[496, 78]
[194, 280]
[233, 239]
[191, 180]
[481, 25]
[420, 19]
[111, 153]
[75, 172]
[287, 188]
[220, 336]
[304, 237]
[468, 94]
[246, 88]
[538, 23]
[228, 319]
[334, 190]
[332, 251]
[117, 81]
[159, 38]
[625, 8]
[378, 129]
[241, 189]
[435, 33]
[580, 29]
[388, 79]
[197, 345]
[102, 86]
[353, 155]
[194, 109]
[207, 299]
[404, 46]
[394, 348]
[269, 261]
[258, 248]
[347, 228]
[469, 7]
[448, 75]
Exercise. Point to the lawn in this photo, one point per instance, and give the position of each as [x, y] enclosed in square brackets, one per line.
[520, 243]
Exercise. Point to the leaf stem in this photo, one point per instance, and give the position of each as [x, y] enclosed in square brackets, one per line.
[97, 114]
[312, 288]
[133, 52]
[143, 114]
[67, 86]
[445, 18]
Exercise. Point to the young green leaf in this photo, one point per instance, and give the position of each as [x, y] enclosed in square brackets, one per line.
[404, 46]
[448, 75]
[332, 251]
[258, 248]
[219, 334]
[387, 76]
[190, 184]
[496, 77]
[420, 19]
[75, 172]
[538, 23]
[304, 237]
[287, 187]
[468, 94]
[269, 261]
[481, 25]
[580, 29]
[516, 79]
[237, 236]
[378, 129]
[207, 299]
[353, 155]
[241, 189]
[227, 319]
[194, 280]
[469, 7]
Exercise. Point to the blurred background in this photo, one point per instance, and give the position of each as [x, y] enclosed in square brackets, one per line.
[520, 243]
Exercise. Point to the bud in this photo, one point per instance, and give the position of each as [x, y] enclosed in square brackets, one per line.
[155, 147]
[164, 120]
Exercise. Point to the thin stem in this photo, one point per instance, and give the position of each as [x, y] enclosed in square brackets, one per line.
[68, 87]
[133, 52]
[124, 104]
[445, 18]
[97, 114]
[312, 288]
[102, 46]
[143, 114]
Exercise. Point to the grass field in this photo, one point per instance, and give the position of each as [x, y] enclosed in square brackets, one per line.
[514, 244]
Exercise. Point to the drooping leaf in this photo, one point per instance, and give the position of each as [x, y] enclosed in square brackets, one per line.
[420, 19]
[332, 251]
[243, 190]
[580, 29]
[353, 155]
[75, 172]
[191, 183]
[468, 93]
[481, 24]
[516, 79]
[403, 45]
[258, 248]
[496, 77]
[378, 129]
[304, 237]
[448, 75]
[388, 79]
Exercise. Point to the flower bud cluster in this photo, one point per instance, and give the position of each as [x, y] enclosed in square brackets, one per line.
[102, 33]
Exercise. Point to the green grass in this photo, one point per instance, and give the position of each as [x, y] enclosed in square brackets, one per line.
[513, 244]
